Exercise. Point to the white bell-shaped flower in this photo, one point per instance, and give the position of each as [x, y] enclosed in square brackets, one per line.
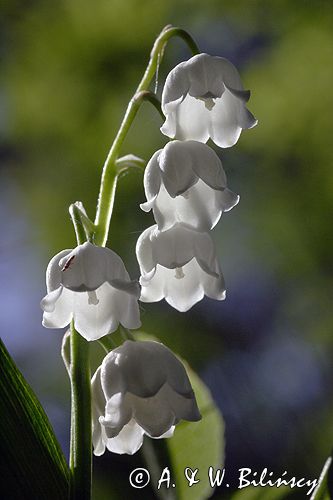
[90, 284]
[179, 265]
[204, 98]
[140, 388]
[185, 182]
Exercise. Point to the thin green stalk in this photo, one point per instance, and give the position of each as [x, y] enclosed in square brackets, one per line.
[109, 177]
[126, 333]
[153, 99]
[81, 443]
[107, 343]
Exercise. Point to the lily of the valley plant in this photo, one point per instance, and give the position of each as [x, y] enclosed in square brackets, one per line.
[141, 389]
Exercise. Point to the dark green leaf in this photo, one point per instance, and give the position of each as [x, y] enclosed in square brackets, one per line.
[32, 465]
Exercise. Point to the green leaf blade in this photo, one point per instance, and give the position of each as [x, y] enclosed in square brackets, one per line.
[324, 487]
[32, 464]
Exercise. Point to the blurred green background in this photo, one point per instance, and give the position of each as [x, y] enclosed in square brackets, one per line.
[68, 69]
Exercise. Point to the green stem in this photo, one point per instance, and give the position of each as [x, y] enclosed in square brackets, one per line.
[81, 443]
[153, 99]
[109, 177]
[126, 333]
[107, 343]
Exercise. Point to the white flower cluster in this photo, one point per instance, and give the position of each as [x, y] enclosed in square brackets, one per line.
[185, 183]
[141, 387]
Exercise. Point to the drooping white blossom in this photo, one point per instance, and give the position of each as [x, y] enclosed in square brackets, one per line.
[179, 265]
[204, 98]
[140, 388]
[90, 285]
[185, 182]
